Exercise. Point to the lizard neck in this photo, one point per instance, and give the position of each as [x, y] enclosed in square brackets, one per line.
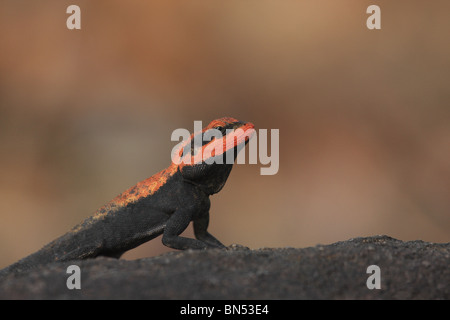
[198, 186]
[210, 179]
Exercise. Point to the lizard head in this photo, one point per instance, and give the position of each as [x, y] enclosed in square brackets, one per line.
[208, 156]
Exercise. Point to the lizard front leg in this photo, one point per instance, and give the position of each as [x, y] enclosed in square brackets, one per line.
[176, 224]
[202, 234]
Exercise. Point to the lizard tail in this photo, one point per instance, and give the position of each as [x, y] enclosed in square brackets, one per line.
[65, 248]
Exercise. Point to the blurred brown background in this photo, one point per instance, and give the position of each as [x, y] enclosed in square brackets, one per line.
[364, 116]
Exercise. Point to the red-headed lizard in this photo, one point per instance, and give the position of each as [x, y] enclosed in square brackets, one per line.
[163, 204]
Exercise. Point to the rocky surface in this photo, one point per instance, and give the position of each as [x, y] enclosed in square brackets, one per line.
[408, 270]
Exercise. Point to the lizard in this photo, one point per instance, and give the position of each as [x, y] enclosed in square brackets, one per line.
[164, 204]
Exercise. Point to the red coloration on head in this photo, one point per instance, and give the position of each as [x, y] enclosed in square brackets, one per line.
[220, 123]
[243, 132]
[233, 139]
[149, 186]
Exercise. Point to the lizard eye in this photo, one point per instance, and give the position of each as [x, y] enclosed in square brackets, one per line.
[221, 129]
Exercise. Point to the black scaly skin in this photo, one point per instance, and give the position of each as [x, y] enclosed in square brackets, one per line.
[163, 204]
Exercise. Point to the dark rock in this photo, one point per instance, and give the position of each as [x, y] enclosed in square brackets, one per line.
[409, 270]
